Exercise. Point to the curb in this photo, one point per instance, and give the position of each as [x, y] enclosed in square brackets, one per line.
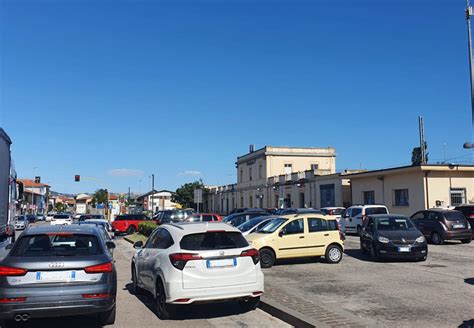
[288, 315]
[128, 239]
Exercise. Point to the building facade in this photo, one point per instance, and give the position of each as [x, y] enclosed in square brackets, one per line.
[35, 196]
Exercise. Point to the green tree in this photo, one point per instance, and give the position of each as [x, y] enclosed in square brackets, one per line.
[184, 195]
[101, 196]
[60, 207]
[416, 155]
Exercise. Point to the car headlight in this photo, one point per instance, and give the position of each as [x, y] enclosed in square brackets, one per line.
[468, 225]
[420, 239]
[383, 240]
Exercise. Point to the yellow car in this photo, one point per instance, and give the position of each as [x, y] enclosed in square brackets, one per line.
[300, 235]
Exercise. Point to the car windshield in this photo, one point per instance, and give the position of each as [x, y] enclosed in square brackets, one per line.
[454, 216]
[213, 240]
[21, 218]
[394, 224]
[375, 210]
[56, 244]
[272, 226]
[246, 226]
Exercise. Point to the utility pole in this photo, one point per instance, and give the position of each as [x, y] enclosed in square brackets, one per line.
[152, 193]
[469, 14]
[421, 128]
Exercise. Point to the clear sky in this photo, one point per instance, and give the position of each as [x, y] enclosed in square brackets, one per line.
[117, 90]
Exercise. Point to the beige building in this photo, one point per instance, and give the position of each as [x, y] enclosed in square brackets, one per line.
[405, 190]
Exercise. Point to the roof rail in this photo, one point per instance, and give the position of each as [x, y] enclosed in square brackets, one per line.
[174, 225]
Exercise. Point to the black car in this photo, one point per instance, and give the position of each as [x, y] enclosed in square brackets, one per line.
[468, 211]
[239, 218]
[392, 236]
[439, 225]
[85, 217]
[31, 218]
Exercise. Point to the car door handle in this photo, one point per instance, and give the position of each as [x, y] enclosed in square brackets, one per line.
[326, 234]
[301, 237]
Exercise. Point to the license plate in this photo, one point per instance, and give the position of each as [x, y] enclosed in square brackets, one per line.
[221, 263]
[458, 226]
[404, 249]
[56, 276]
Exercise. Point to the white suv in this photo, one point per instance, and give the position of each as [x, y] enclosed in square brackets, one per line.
[197, 262]
[352, 219]
[61, 219]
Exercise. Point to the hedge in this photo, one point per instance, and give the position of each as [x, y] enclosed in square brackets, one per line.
[146, 228]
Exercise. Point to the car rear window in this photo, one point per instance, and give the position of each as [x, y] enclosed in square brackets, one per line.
[454, 216]
[213, 240]
[61, 244]
[61, 216]
[375, 210]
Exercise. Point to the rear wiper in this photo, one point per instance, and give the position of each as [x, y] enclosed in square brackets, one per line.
[65, 254]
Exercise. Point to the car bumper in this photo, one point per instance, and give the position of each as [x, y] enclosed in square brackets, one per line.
[44, 302]
[214, 294]
[393, 252]
[457, 235]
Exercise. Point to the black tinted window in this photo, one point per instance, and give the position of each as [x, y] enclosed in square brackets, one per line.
[356, 211]
[316, 224]
[332, 225]
[213, 240]
[454, 216]
[375, 210]
[62, 244]
[294, 227]
[164, 239]
[61, 216]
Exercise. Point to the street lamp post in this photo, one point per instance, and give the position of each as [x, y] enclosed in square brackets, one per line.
[469, 14]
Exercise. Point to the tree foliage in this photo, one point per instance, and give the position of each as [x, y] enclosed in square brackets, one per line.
[101, 196]
[60, 207]
[184, 195]
[416, 155]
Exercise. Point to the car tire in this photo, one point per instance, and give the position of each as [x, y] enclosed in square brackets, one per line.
[437, 239]
[164, 311]
[373, 253]
[267, 258]
[249, 304]
[135, 290]
[466, 241]
[333, 254]
[131, 230]
[108, 317]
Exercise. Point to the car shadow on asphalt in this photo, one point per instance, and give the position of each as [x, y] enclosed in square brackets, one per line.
[357, 254]
[301, 260]
[467, 324]
[469, 281]
[193, 311]
[69, 322]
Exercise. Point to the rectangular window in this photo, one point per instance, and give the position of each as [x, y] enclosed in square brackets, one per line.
[241, 201]
[250, 173]
[250, 201]
[288, 168]
[315, 225]
[458, 196]
[314, 167]
[400, 197]
[241, 175]
[260, 171]
[369, 197]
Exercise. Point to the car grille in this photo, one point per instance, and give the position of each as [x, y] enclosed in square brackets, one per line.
[403, 242]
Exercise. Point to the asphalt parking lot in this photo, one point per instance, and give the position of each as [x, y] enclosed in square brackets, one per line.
[435, 293]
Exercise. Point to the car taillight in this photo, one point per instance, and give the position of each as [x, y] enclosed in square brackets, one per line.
[96, 295]
[100, 268]
[9, 271]
[470, 216]
[253, 253]
[13, 300]
[179, 260]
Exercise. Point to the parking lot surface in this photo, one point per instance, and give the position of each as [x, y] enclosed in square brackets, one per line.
[133, 311]
[360, 292]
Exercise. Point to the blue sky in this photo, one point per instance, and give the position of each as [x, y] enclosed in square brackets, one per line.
[117, 90]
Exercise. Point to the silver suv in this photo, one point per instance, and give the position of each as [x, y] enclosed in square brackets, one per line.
[56, 271]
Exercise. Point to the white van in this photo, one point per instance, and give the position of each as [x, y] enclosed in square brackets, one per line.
[354, 215]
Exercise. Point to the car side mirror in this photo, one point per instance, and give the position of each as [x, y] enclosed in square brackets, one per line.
[9, 246]
[138, 244]
[281, 233]
[110, 244]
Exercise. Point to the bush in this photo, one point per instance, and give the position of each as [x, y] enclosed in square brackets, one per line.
[146, 228]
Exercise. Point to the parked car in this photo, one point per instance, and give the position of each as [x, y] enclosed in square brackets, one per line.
[84, 217]
[31, 218]
[40, 217]
[21, 223]
[286, 211]
[189, 263]
[203, 217]
[254, 224]
[239, 218]
[392, 236]
[468, 211]
[61, 219]
[336, 211]
[354, 217]
[128, 223]
[168, 216]
[302, 235]
[100, 222]
[439, 225]
[49, 216]
[57, 272]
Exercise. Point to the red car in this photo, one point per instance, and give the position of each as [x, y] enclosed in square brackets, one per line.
[204, 217]
[128, 223]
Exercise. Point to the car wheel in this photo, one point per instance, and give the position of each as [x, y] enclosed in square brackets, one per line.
[267, 258]
[107, 318]
[131, 230]
[333, 254]
[373, 253]
[164, 311]
[249, 304]
[466, 241]
[135, 289]
[437, 239]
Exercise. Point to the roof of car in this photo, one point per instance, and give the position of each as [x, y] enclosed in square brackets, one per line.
[186, 228]
[438, 209]
[379, 216]
[73, 228]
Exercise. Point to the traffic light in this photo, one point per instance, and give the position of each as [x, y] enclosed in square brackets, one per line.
[77, 178]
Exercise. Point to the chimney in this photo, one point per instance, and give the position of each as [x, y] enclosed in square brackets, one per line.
[251, 148]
